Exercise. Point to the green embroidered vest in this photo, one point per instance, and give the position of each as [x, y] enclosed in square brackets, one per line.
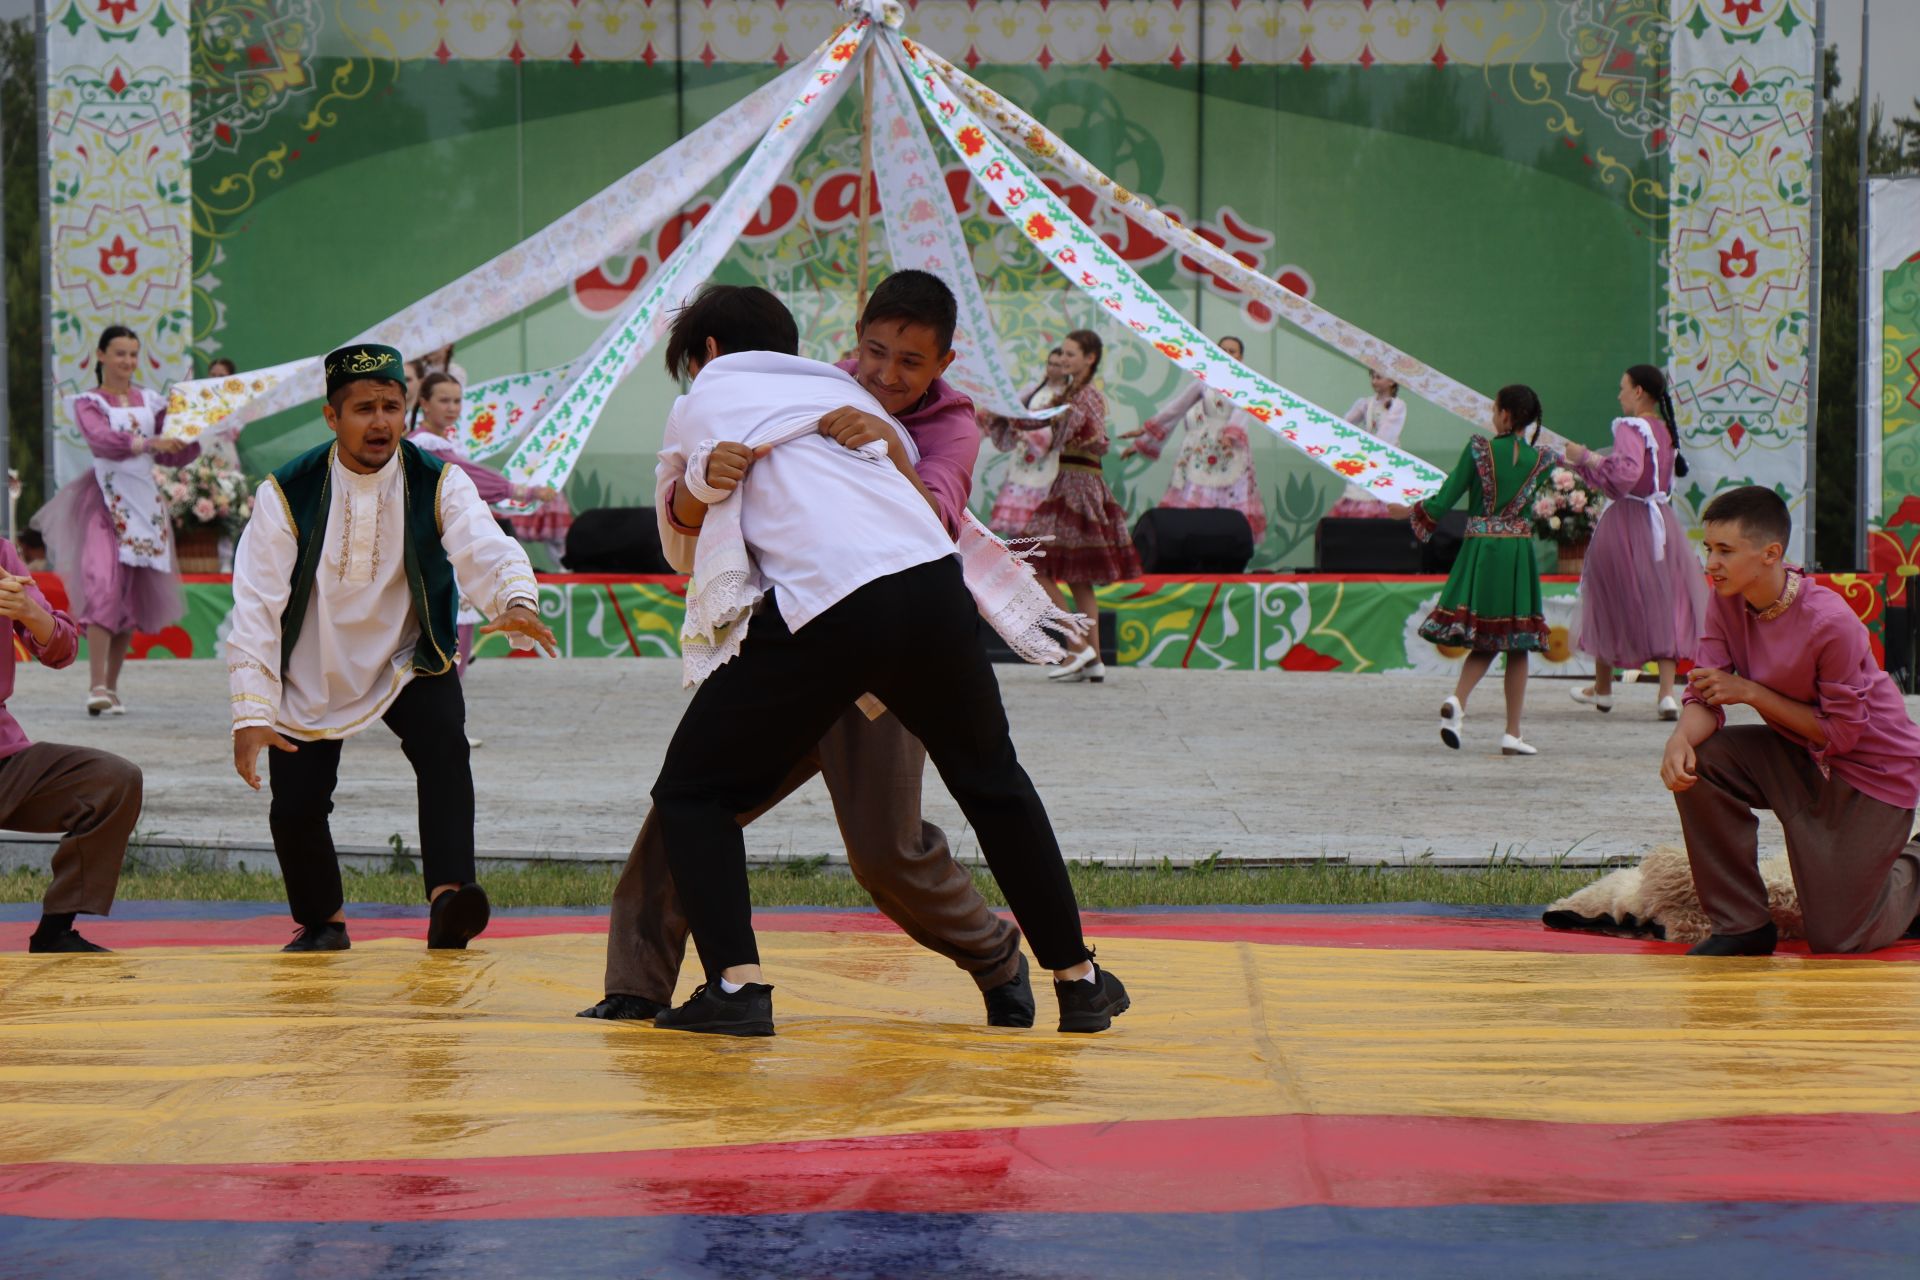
[305, 487]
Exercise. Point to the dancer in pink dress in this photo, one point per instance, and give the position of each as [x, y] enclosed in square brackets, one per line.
[1033, 464]
[1085, 530]
[108, 532]
[1643, 593]
[1382, 414]
[1215, 464]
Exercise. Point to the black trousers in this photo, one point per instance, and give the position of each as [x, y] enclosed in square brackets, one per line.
[911, 639]
[430, 719]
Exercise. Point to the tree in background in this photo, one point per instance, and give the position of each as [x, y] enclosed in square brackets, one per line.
[1892, 150]
[20, 265]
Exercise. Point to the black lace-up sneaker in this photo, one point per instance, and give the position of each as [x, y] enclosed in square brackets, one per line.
[746, 1012]
[331, 936]
[1091, 1006]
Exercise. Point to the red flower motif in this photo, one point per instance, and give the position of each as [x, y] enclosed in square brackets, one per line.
[1266, 415]
[1140, 326]
[1066, 255]
[1040, 229]
[1742, 9]
[994, 172]
[1349, 467]
[1112, 304]
[118, 10]
[1171, 351]
[972, 141]
[1739, 261]
[120, 252]
[1089, 279]
[1016, 196]
[844, 50]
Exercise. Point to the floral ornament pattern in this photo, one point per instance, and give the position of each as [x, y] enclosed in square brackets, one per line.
[1738, 244]
[1030, 136]
[119, 222]
[509, 283]
[1092, 266]
[548, 453]
[1893, 317]
[249, 59]
[495, 416]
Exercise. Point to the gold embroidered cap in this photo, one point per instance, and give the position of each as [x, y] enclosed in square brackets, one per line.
[364, 360]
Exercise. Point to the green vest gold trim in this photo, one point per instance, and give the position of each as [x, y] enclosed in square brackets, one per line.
[304, 487]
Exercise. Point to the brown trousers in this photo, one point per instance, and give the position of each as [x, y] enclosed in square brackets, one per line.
[91, 796]
[1854, 865]
[872, 769]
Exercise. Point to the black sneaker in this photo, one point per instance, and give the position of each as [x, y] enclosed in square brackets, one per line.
[1091, 1006]
[67, 942]
[1754, 942]
[457, 918]
[331, 936]
[746, 1012]
[1011, 1003]
[623, 1008]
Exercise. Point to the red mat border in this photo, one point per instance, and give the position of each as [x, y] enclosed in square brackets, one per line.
[1177, 1166]
[1305, 929]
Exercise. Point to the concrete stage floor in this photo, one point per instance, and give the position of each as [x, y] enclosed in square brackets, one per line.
[1389, 1091]
[1151, 764]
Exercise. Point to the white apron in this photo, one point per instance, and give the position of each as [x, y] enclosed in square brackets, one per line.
[140, 522]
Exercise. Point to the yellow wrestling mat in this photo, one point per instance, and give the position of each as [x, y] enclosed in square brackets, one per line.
[201, 1055]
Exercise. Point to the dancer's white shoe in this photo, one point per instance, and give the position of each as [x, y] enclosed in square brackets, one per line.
[1512, 746]
[1452, 717]
[1588, 698]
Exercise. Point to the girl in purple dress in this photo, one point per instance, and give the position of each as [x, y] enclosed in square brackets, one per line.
[1643, 593]
[108, 531]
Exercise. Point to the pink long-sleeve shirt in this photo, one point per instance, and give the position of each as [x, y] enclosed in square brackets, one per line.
[58, 651]
[1818, 652]
[945, 430]
[117, 446]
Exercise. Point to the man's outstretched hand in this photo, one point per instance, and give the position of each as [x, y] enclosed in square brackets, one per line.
[520, 620]
[247, 744]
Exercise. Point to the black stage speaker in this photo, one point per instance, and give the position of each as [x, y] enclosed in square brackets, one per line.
[1193, 540]
[1386, 546]
[997, 650]
[615, 540]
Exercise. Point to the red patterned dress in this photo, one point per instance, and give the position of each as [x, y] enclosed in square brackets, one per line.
[1088, 529]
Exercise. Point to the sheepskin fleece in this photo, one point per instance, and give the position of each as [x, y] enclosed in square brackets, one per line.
[1660, 891]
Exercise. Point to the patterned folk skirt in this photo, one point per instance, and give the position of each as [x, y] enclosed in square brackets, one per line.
[1090, 542]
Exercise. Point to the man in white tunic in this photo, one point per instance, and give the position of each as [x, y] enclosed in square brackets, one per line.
[346, 585]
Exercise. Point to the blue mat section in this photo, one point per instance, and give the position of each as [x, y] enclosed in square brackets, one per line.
[1751, 1241]
[13, 913]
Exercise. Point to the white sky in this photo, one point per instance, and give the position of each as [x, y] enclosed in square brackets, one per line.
[1895, 35]
[15, 8]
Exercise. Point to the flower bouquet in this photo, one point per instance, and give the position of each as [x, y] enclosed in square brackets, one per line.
[1564, 514]
[207, 499]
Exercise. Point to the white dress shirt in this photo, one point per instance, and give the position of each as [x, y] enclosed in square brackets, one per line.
[821, 520]
[355, 650]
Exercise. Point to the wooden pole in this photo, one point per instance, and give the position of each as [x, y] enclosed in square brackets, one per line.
[866, 184]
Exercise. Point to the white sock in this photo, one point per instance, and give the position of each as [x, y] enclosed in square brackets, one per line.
[731, 988]
[1092, 975]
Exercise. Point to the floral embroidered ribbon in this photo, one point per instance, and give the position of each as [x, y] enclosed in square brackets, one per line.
[608, 224]
[1015, 125]
[1086, 260]
[548, 453]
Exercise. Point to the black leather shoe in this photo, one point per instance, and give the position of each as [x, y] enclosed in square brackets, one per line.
[66, 943]
[331, 936]
[457, 918]
[747, 1012]
[1754, 942]
[1011, 1003]
[1091, 1006]
[623, 1008]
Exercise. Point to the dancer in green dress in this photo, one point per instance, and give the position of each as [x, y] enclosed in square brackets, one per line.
[1491, 603]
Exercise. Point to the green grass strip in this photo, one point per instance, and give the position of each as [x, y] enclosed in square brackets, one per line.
[808, 884]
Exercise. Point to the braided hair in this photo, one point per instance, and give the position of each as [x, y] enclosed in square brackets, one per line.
[1522, 405]
[1654, 383]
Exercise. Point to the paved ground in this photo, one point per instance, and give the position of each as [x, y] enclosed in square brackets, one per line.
[1151, 764]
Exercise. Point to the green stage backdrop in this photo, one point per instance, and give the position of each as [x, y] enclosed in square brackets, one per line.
[1493, 202]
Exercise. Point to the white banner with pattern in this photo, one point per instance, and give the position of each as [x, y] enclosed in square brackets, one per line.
[1085, 259]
